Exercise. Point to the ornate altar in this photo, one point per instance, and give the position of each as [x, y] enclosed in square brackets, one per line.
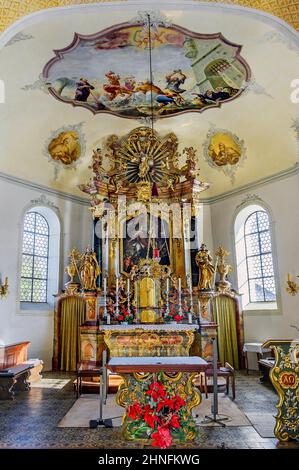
[158, 391]
[285, 379]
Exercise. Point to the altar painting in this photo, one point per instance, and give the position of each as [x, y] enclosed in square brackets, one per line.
[109, 71]
[135, 247]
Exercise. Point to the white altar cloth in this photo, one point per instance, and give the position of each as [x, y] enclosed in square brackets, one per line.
[255, 347]
[140, 361]
[153, 327]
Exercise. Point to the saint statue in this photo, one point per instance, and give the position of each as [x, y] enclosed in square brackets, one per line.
[203, 260]
[89, 270]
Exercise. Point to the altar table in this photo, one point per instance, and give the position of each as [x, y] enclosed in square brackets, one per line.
[172, 376]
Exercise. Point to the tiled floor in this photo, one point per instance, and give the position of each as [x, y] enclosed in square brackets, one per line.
[30, 421]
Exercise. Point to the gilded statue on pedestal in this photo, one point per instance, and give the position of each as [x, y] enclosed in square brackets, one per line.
[86, 266]
[203, 260]
[89, 270]
[223, 269]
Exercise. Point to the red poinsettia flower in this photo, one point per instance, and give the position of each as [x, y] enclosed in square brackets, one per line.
[134, 411]
[169, 402]
[174, 422]
[178, 317]
[179, 402]
[120, 317]
[151, 419]
[162, 438]
[156, 391]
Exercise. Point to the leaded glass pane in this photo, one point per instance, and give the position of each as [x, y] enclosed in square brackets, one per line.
[256, 290]
[28, 243]
[252, 244]
[39, 291]
[27, 265]
[254, 266]
[263, 220]
[34, 273]
[41, 245]
[265, 242]
[267, 265]
[40, 267]
[269, 288]
[258, 248]
[26, 288]
[29, 222]
[41, 225]
[251, 224]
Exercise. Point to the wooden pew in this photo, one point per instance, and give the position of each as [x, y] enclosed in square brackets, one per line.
[13, 379]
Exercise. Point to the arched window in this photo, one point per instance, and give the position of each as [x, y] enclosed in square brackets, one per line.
[39, 268]
[254, 254]
[35, 258]
[258, 246]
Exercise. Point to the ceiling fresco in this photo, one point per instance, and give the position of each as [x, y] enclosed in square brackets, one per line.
[109, 71]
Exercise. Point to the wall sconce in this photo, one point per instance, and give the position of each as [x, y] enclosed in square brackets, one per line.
[3, 288]
[292, 288]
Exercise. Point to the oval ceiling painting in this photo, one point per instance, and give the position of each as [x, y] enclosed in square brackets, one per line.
[110, 71]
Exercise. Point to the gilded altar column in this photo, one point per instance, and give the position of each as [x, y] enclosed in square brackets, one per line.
[177, 232]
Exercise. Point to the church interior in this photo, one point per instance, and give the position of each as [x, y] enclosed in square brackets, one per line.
[149, 262]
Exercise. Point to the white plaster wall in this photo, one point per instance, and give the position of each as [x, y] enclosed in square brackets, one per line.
[76, 228]
[282, 198]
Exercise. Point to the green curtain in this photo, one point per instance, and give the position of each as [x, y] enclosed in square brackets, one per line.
[72, 316]
[224, 309]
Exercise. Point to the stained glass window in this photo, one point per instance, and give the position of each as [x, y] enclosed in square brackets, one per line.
[35, 257]
[259, 261]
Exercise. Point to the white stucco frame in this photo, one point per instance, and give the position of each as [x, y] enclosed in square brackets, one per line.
[47, 209]
[259, 308]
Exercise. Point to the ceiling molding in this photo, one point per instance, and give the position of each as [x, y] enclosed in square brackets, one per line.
[294, 170]
[12, 11]
[39, 187]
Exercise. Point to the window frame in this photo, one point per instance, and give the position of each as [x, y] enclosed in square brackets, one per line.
[260, 255]
[33, 255]
[55, 264]
[242, 212]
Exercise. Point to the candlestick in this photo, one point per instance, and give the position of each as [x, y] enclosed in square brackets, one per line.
[167, 298]
[128, 295]
[180, 296]
[116, 297]
[105, 315]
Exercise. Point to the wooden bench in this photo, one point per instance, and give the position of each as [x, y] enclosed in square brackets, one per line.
[14, 379]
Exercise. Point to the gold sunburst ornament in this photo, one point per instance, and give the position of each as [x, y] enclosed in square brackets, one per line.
[145, 155]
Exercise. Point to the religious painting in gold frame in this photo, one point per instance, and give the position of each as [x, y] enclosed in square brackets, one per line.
[133, 249]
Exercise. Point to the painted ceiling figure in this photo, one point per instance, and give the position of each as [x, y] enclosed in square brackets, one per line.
[83, 89]
[225, 155]
[175, 80]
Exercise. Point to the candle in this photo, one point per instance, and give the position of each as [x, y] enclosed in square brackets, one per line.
[128, 285]
[167, 284]
[116, 285]
[105, 285]
[156, 253]
[289, 277]
[180, 283]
